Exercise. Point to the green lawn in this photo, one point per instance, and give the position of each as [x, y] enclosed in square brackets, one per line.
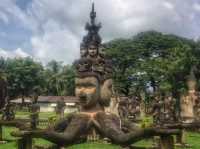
[193, 138]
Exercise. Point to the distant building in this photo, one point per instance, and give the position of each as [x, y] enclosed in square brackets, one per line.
[49, 103]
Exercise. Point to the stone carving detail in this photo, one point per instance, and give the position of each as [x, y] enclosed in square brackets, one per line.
[129, 108]
[91, 50]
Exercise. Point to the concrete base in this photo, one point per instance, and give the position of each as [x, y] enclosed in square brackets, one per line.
[185, 145]
[3, 142]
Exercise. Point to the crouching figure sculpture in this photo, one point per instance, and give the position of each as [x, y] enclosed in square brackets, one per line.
[94, 90]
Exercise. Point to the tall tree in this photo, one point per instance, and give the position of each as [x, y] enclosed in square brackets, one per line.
[24, 76]
[153, 58]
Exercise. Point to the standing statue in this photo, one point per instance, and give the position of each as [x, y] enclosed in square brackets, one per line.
[34, 109]
[129, 108]
[157, 109]
[3, 90]
[60, 108]
[123, 108]
[187, 100]
[169, 109]
[133, 108]
[197, 107]
[8, 113]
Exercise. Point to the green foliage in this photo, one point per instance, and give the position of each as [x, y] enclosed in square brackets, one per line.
[59, 79]
[24, 76]
[163, 61]
[27, 77]
[146, 122]
[52, 120]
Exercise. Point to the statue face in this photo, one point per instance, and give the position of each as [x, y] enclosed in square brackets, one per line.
[83, 52]
[92, 50]
[87, 89]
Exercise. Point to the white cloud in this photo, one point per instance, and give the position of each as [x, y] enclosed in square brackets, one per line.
[9, 11]
[196, 6]
[13, 54]
[20, 53]
[56, 43]
[58, 26]
[168, 5]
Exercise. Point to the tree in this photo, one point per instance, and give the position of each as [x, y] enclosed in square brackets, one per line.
[59, 79]
[24, 76]
[163, 61]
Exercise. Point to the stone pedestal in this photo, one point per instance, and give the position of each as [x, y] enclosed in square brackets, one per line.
[25, 143]
[166, 142]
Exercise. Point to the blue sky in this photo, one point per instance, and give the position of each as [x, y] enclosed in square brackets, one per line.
[53, 29]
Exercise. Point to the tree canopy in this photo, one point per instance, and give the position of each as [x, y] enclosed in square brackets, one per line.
[153, 59]
[26, 77]
[149, 61]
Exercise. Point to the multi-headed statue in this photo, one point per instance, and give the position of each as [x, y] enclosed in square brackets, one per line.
[94, 89]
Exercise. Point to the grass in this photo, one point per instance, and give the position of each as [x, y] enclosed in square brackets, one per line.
[193, 138]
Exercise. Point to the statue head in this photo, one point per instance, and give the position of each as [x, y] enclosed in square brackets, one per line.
[83, 51]
[91, 91]
[93, 83]
[92, 50]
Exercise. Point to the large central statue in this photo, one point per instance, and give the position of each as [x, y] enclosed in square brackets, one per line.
[94, 90]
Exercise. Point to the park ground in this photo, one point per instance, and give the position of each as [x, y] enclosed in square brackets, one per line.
[192, 138]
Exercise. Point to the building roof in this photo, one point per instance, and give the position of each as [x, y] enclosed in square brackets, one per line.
[54, 99]
[48, 99]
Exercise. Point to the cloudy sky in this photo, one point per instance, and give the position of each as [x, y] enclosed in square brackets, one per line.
[53, 29]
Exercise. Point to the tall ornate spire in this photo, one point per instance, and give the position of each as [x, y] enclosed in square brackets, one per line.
[93, 61]
[93, 29]
[92, 14]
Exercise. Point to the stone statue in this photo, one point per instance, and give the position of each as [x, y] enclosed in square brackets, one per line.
[94, 90]
[34, 109]
[123, 108]
[60, 108]
[169, 109]
[157, 109]
[187, 100]
[92, 50]
[3, 90]
[8, 113]
[129, 108]
[83, 50]
[197, 107]
[133, 108]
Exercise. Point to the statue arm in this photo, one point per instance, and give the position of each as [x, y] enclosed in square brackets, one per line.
[110, 129]
[68, 133]
[119, 137]
[61, 124]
